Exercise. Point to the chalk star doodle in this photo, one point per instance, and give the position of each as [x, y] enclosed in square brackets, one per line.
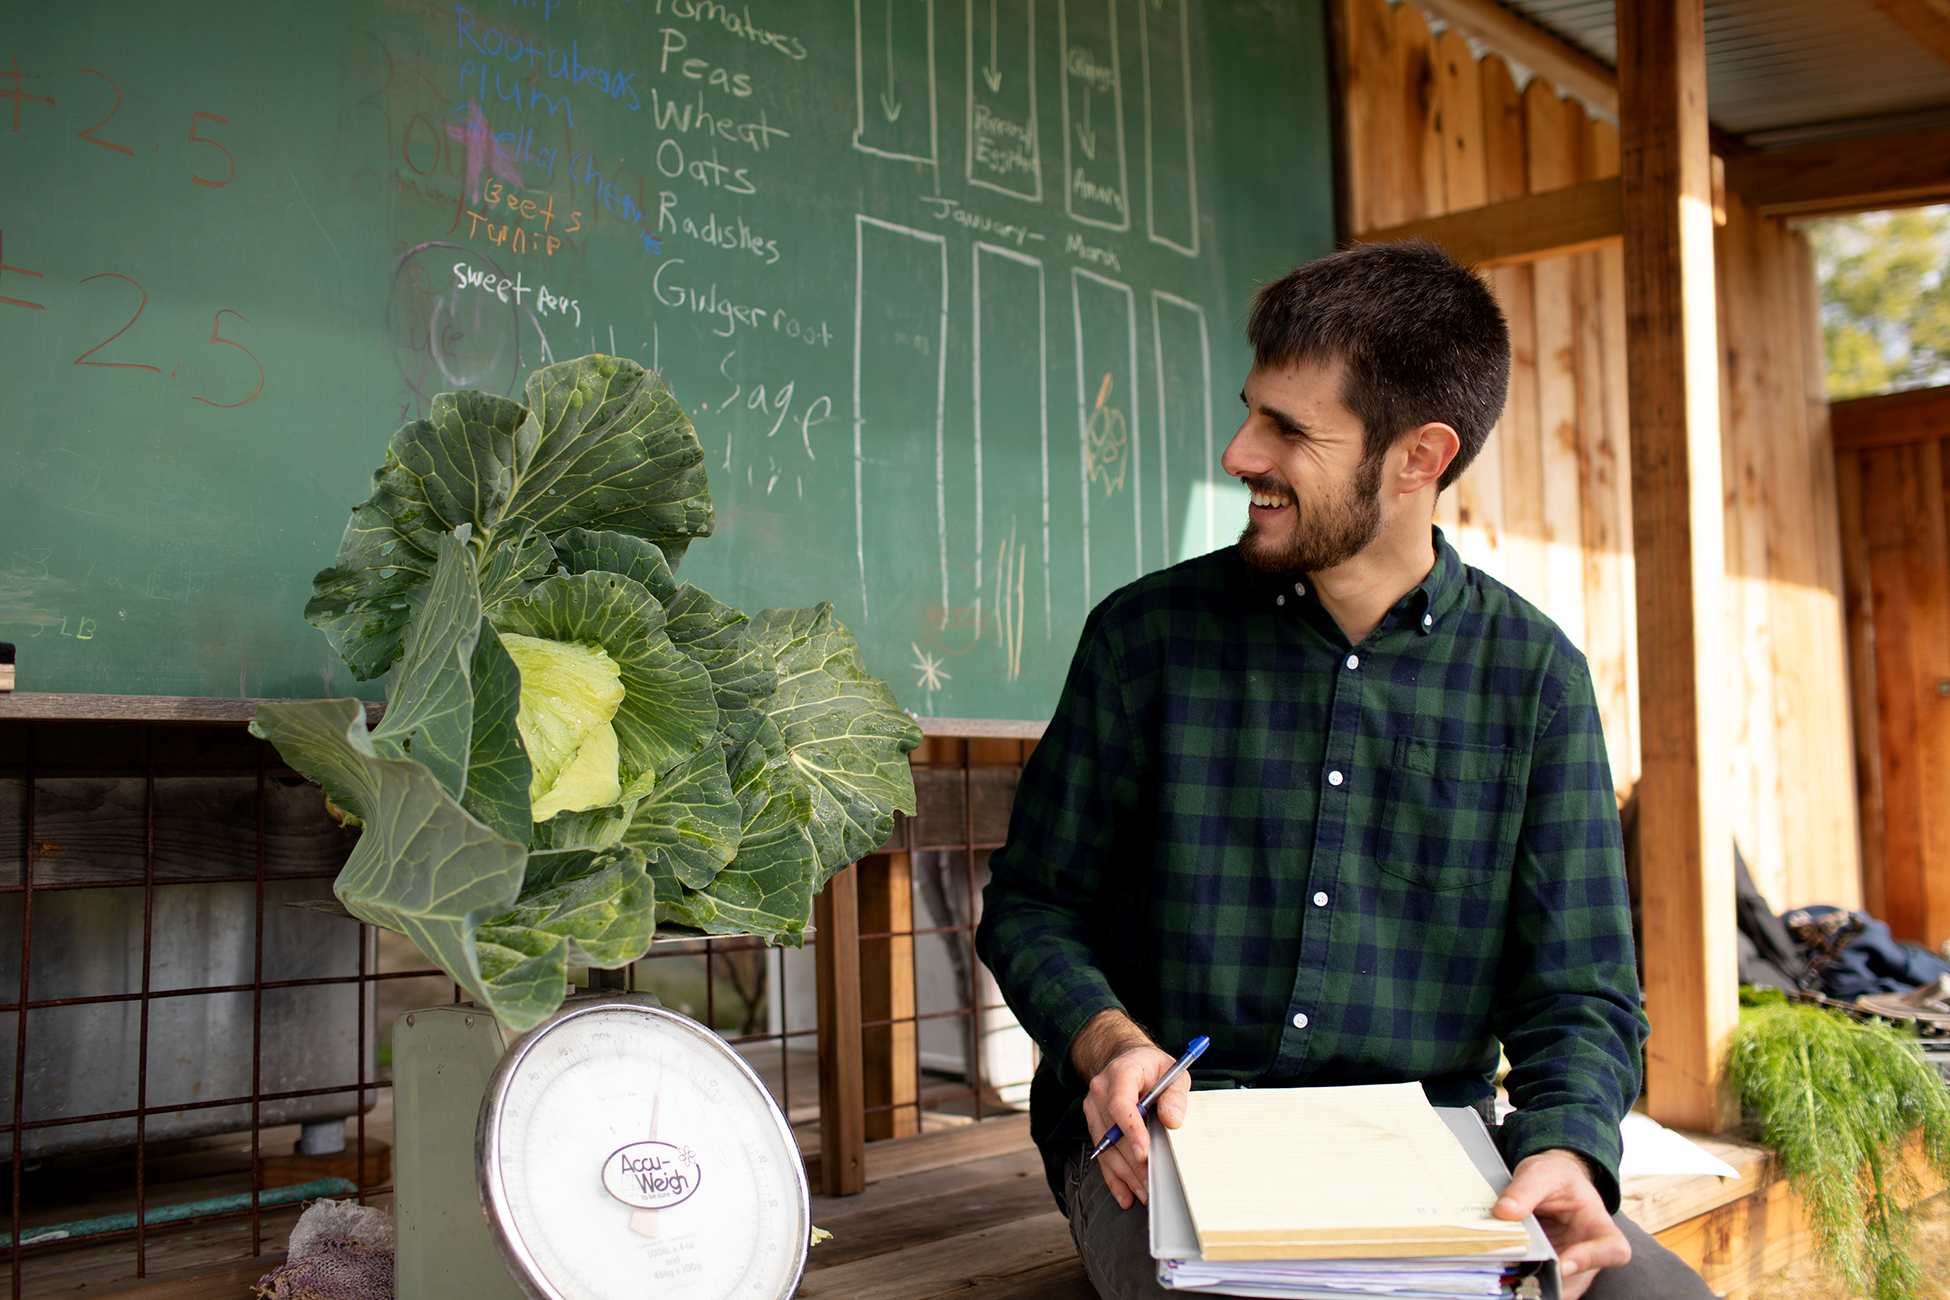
[932, 673]
[1106, 437]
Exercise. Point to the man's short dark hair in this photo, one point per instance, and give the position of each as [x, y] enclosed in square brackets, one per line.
[1422, 340]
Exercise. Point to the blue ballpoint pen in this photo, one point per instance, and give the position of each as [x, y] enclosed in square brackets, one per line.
[1192, 1053]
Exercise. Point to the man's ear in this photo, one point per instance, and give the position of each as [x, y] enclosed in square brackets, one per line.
[1430, 449]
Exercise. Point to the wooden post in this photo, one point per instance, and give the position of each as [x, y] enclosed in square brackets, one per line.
[842, 1102]
[1685, 844]
[890, 1063]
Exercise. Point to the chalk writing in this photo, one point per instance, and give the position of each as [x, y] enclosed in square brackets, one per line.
[497, 194]
[89, 133]
[951, 209]
[1082, 187]
[733, 234]
[738, 22]
[17, 270]
[216, 337]
[469, 70]
[614, 199]
[466, 277]
[204, 139]
[516, 239]
[673, 292]
[675, 42]
[1075, 246]
[706, 171]
[680, 119]
[83, 360]
[562, 65]
[1002, 146]
[15, 93]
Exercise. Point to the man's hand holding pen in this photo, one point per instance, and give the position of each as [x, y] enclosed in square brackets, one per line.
[1123, 1064]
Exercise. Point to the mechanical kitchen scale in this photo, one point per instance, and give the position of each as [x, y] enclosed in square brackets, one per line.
[618, 1149]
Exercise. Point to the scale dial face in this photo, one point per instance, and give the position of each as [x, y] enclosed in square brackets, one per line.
[624, 1150]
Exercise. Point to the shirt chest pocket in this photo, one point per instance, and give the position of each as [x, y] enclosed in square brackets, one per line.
[1450, 815]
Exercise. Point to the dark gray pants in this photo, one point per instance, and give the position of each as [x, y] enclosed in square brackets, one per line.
[1115, 1245]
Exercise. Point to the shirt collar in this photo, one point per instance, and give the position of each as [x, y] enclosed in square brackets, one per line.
[1432, 599]
[1422, 608]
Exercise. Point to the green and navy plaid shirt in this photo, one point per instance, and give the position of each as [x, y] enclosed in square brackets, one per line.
[1347, 864]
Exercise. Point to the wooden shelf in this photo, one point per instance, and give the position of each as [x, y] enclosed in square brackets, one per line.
[49, 706]
[194, 710]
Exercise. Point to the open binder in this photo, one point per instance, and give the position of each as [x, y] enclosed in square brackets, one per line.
[1315, 1267]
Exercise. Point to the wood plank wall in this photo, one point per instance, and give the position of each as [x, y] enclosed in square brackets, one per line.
[1546, 508]
[1894, 468]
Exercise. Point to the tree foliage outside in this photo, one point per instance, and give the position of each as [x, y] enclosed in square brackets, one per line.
[1885, 299]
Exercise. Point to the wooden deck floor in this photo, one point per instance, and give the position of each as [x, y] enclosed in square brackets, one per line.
[966, 1211]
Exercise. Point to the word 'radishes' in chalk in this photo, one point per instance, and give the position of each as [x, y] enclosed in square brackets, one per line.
[577, 748]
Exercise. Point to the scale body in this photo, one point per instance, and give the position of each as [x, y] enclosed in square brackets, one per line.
[616, 1149]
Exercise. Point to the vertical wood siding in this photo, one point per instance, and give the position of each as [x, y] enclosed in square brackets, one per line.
[1547, 506]
[1895, 526]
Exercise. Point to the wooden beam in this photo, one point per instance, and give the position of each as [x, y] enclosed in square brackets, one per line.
[1567, 220]
[890, 1060]
[1861, 175]
[982, 727]
[1678, 526]
[1565, 66]
[842, 1095]
[40, 706]
[1927, 20]
[1892, 420]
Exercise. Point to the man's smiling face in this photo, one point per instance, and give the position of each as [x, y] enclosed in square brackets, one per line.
[1315, 492]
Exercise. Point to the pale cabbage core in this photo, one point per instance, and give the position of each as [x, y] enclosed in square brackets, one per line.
[569, 694]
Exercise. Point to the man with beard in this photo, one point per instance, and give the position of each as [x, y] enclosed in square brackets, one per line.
[1335, 799]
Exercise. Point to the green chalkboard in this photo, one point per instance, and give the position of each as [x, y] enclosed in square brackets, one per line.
[951, 287]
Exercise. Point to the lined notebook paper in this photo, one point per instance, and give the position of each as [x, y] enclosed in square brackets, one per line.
[1332, 1173]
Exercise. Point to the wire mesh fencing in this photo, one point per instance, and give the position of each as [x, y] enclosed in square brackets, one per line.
[195, 1039]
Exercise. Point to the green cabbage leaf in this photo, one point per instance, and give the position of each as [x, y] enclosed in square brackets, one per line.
[577, 749]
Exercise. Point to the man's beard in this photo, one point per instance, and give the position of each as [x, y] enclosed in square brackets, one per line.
[1327, 536]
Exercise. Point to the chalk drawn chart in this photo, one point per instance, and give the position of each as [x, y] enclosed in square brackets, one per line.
[950, 287]
[1096, 173]
[1004, 148]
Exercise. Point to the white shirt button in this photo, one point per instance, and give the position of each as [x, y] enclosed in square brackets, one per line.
[1354, 661]
[1300, 1020]
[1279, 600]
[1299, 588]
[1428, 620]
[1333, 778]
[1320, 900]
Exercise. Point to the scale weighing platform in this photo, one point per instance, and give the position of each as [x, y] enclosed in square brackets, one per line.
[618, 1149]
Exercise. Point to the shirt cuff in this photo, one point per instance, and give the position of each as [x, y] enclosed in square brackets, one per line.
[1580, 1130]
[1069, 1025]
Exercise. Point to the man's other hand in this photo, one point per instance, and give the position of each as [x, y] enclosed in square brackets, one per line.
[1557, 1186]
[1123, 1064]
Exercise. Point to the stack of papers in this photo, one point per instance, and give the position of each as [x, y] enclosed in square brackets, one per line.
[1330, 1193]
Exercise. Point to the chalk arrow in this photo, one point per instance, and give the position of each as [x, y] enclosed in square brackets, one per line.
[1088, 140]
[989, 74]
[890, 102]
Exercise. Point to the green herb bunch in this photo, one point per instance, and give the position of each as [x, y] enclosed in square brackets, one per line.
[1837, 1099]
[578, 747]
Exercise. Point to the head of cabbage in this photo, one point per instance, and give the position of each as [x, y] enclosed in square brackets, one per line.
[577, 748]
[569, 694]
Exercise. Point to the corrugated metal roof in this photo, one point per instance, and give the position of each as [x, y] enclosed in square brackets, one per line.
[1782, 72]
